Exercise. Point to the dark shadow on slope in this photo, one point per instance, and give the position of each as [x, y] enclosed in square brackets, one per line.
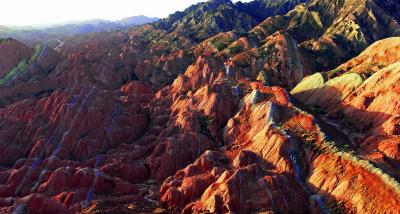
[349, 131]
[335, 111]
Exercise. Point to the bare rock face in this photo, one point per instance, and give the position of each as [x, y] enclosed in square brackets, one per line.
[210, 142]
[24, 80]
[36, 202]
[59, 148]
[377, 99]
[282, 61]
[194, 120]
[73, 121]
[217, 183]
[176, 152]
[361, 98]
[271, 148]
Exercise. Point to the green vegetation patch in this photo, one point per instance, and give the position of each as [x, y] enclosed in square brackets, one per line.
[221, 42]
[235, 50]
[312, 82]
[5, 40]
[22, 66]
[38, 50]
[347, 84]
[205, 122]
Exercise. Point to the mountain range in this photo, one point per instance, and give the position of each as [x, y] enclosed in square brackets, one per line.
[288, 106]
[52, 33]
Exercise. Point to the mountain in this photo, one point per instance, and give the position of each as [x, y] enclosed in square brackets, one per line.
[12, 53]
[21, 64]
[146, 53]
[262, 9]
[314, 36]
[99, 25]
[4, 28]
[291, 108]
[47, 35]
[203, 20]
[357, 89]
[206, 19]
[266, 131]
[334, 29]
[136, 20]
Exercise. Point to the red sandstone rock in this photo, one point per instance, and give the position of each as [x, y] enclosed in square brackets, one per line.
[37, 203]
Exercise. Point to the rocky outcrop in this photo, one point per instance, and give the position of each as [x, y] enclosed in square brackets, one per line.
[269, 142]
[364, 101]
[358, 88]
[203, 20]
[25, 79]
[56, 146]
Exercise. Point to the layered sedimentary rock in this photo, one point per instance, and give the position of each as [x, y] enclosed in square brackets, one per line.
[364, 102]
[271, 145]
[24, 79]
[49, 145]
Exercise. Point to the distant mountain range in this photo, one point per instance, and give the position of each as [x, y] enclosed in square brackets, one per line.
[34, 35]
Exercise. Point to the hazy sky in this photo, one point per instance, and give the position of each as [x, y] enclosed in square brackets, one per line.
[31, 12]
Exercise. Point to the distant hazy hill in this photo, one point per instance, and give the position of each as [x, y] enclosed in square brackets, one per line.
[34, 35]
[136, 20]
